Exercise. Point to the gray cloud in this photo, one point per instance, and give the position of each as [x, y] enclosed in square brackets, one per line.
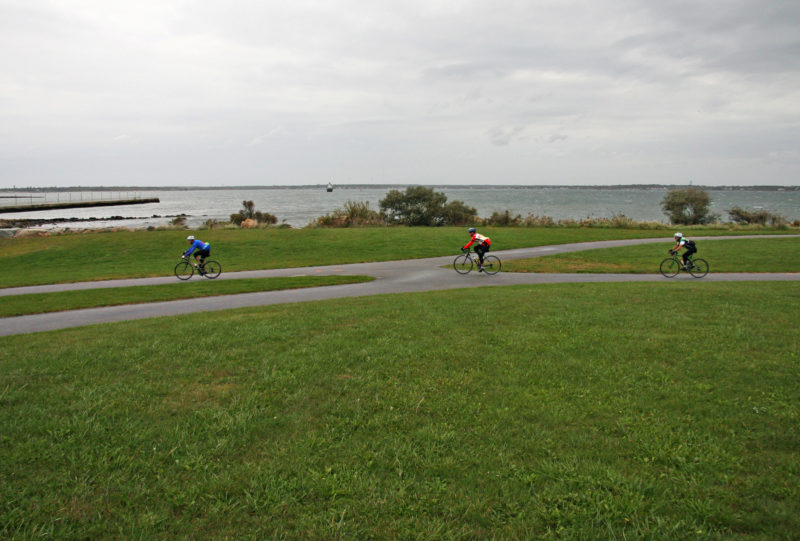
[202, 92]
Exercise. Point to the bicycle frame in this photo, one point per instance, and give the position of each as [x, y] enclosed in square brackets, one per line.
[186, 264]
[491, 263]
[674, 265]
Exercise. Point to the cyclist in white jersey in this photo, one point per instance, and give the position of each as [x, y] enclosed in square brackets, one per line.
[683, 242]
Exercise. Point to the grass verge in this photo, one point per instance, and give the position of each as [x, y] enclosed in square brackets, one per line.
[745, 255]
[590, 411]
[136, 254]
[37, 303]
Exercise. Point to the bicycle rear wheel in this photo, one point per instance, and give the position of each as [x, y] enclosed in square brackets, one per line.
[184, 270]
[213, 269]
[462, 264]
[491, 264]
[670, 267]
[699, 268]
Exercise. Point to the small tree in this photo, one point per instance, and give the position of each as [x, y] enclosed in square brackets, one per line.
[419, 205]
[249, 211]
[687, 206]
[457, 213]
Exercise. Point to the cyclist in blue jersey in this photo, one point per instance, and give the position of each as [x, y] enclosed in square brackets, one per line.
[203, 250]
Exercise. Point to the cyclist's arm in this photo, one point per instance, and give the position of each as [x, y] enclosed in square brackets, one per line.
[466, 246]
[191, 249]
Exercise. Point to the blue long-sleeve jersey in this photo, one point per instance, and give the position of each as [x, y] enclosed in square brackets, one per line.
[197, 244]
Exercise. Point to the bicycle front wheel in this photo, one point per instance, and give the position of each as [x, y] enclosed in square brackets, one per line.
[699, 268]
[462, 264]
[184, 270]
[213, 269]
[491, 264]
[670, 267]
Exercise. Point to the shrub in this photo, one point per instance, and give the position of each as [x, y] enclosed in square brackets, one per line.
[178, 221]
[352, 214]
[211, 224]
[419, 205]
[249, 212]
[457, 213]
[687, 206]
[540, 221]
[503, 219]
[760, 217]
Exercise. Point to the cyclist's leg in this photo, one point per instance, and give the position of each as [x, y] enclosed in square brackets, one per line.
[480, 249]
[202, 255]
[689, 251]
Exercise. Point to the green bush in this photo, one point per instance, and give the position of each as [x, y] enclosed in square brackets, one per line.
[419, 205]
[503, 219]
[760, 217]
[178, 221]
[457, 213]
[353, 214]
[249, 212]
[688, 206]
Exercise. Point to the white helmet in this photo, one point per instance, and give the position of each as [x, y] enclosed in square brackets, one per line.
[190, 237]
[678, 235]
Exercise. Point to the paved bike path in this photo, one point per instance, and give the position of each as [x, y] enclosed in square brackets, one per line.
[404, 276]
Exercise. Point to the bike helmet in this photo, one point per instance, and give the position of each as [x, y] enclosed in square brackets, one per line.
[678, 235]
[190, 237]
[471, 229]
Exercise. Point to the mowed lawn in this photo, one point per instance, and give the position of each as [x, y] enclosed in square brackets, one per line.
[778, 254]
[573, 411]
[136, 254]
[37, 303]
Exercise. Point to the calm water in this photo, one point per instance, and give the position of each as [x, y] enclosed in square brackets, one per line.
[298, 206]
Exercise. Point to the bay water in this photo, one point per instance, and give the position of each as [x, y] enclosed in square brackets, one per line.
[297, 206]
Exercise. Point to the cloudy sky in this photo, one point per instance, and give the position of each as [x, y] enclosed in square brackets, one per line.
[268, 92]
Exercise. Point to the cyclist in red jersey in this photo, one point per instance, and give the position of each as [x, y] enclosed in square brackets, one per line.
[482, 245]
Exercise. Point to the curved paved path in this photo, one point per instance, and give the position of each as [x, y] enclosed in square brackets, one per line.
[391, 277]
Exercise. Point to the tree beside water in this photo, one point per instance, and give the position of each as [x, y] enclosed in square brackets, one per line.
[419, 205]
[687, 206]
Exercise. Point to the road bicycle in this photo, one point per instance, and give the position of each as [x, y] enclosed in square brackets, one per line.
[185, 269]
[463, 264]
[671, 266]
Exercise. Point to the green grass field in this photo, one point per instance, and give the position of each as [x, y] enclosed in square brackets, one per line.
[761, 255]
[574, 411]
[37, 303]
[781, 254]
[106, 255]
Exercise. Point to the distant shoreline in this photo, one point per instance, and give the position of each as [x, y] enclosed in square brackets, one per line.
[766, 188]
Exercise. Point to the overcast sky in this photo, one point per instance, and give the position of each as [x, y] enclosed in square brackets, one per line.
[267, 92]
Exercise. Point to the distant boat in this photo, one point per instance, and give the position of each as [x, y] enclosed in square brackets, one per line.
[329, 188]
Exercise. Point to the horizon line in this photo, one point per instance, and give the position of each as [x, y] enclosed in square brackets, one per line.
[766, 187]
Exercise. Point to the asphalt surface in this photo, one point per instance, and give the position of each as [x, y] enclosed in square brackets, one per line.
[404, 276]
